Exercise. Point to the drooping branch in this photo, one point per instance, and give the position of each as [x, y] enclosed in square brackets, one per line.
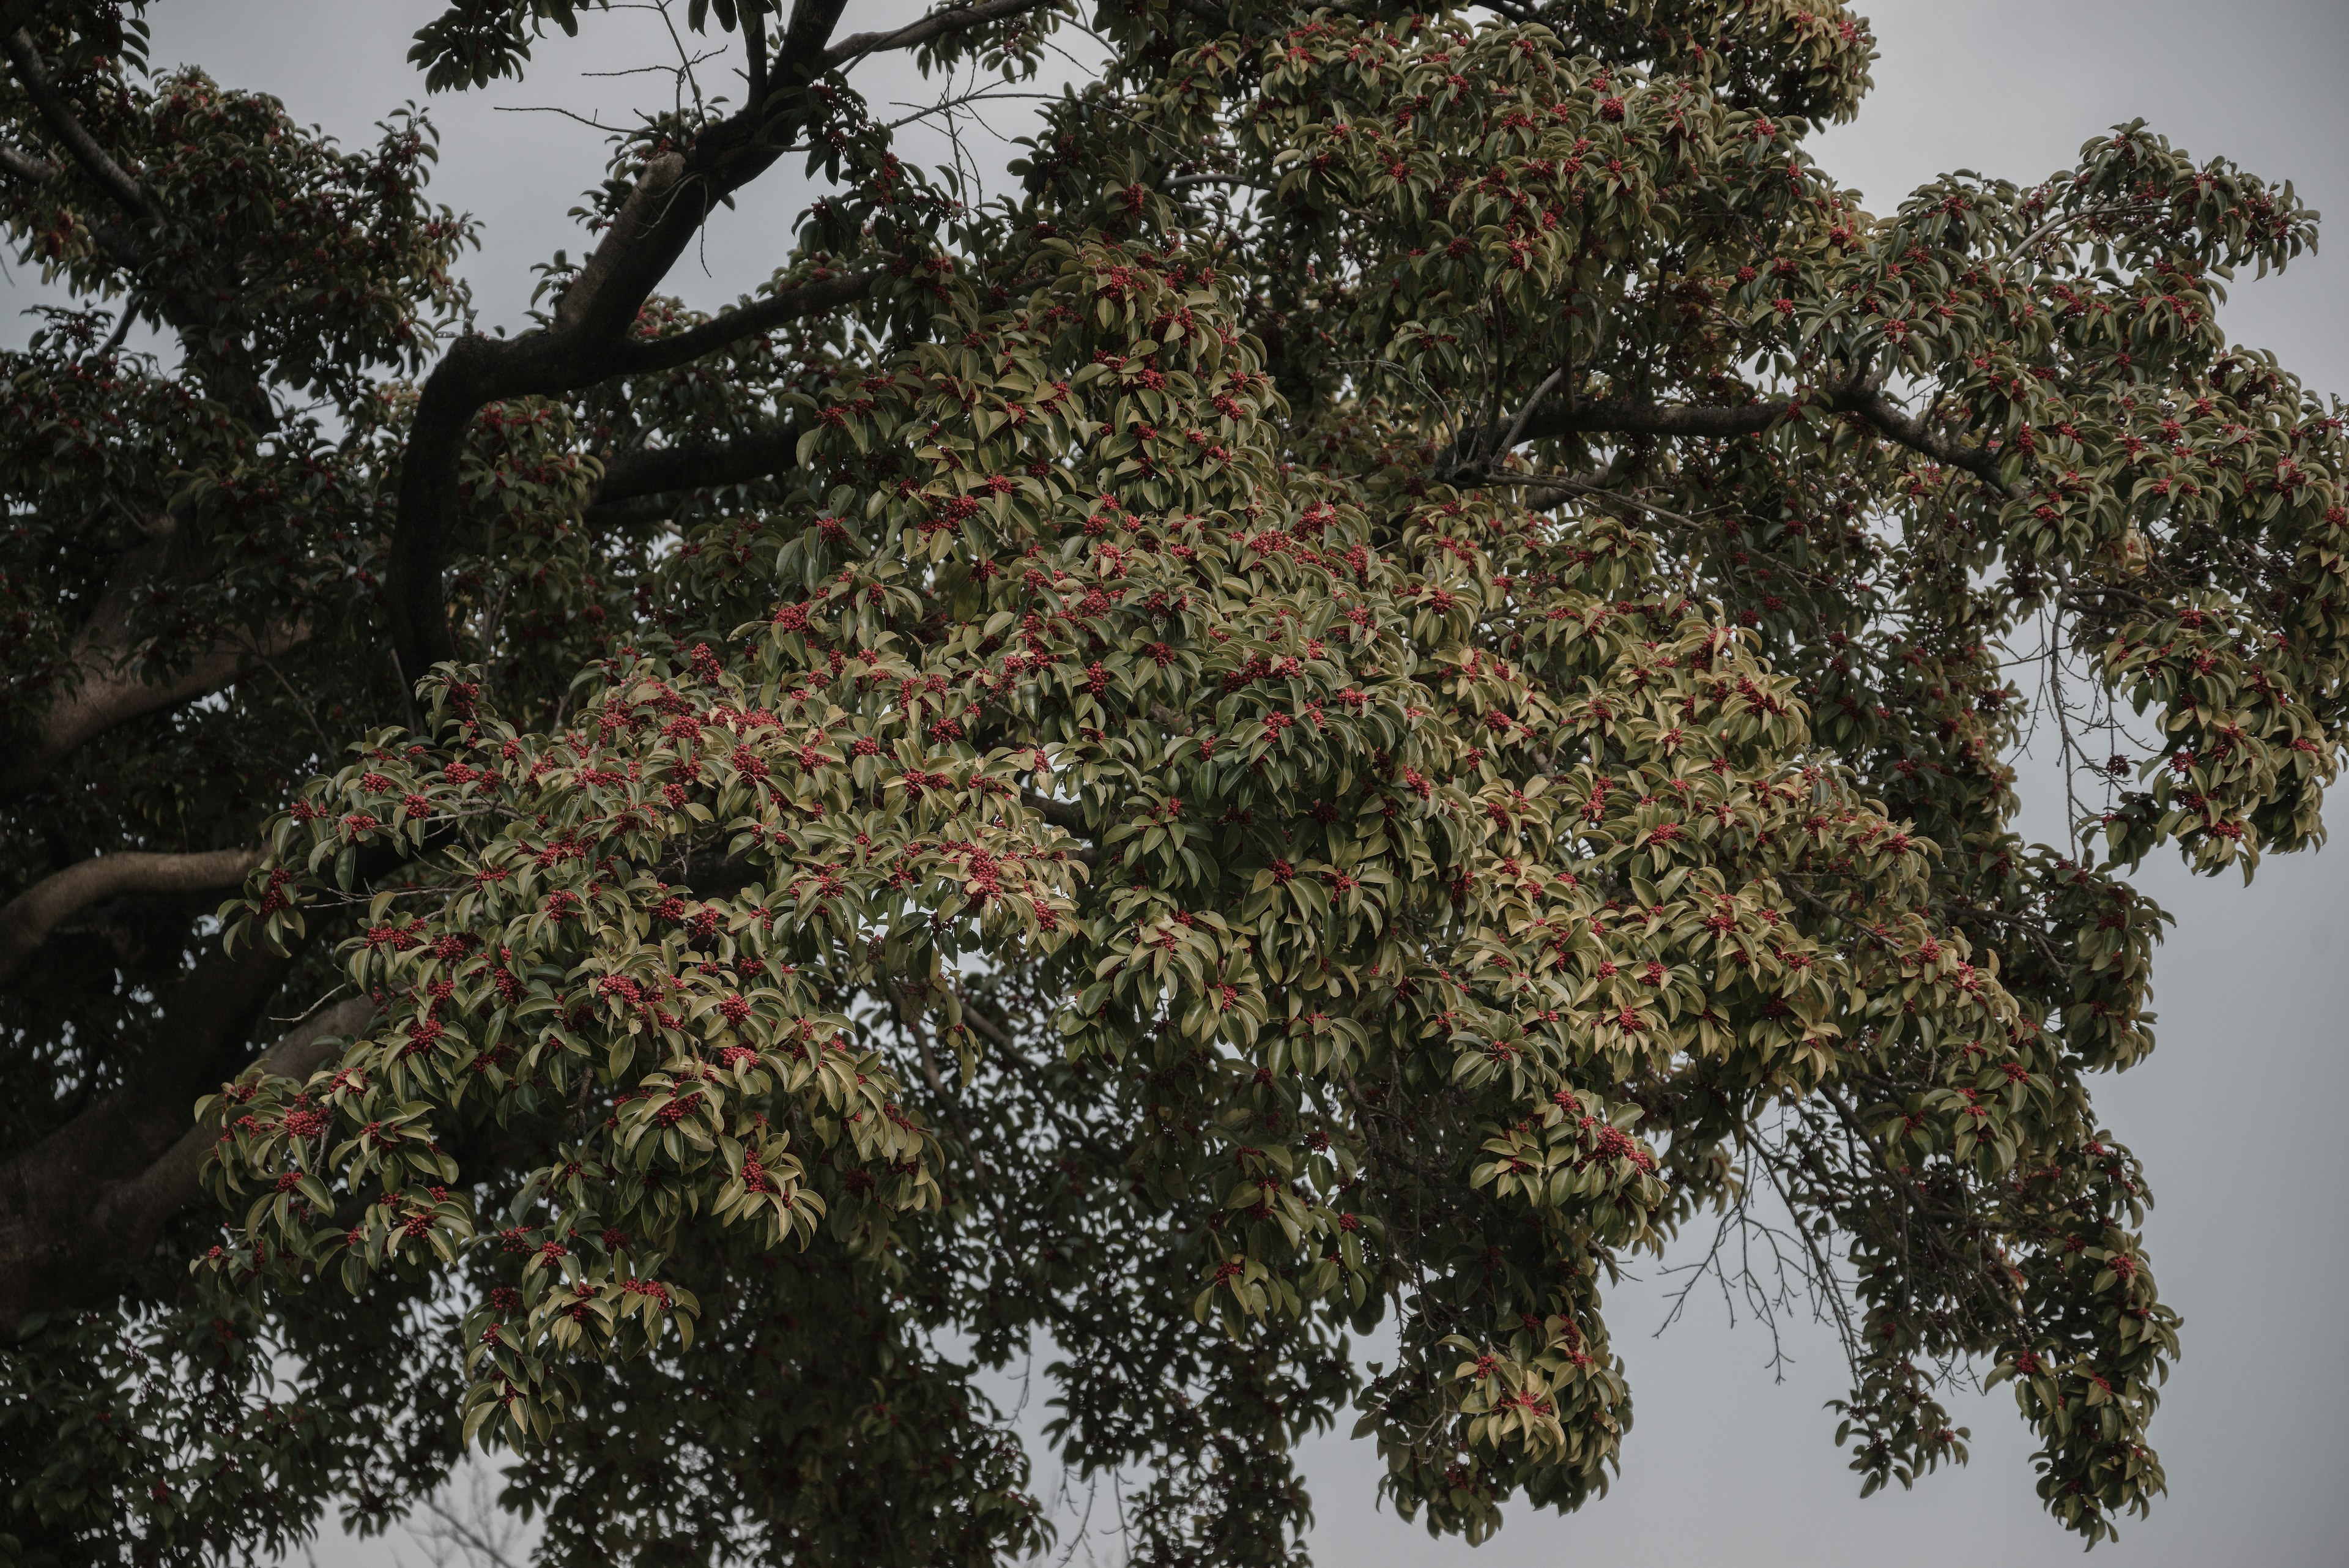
[26, 921]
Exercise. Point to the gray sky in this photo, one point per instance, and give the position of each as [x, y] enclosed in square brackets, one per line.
[2233, 1114]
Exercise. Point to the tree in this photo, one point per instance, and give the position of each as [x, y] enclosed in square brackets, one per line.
[1391, 685]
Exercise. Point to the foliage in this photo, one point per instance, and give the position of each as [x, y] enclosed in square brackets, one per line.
[1389, 685]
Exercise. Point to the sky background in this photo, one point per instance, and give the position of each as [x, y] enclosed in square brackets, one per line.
[2236, 1114]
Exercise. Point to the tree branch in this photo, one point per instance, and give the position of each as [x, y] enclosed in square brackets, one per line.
[1703, 421]
[1065, 814]
[1184, 182]
[937, 23]
[67, 1224]
[1517, 425]
[108, 694]
[702, 465]
[1871, 404]
[26, 921]
[26, 167]
[171, 1183]
[643, 356]
[754, 37]
[55, 113]
[1617, 418]
[1570, 485]
[587, 340]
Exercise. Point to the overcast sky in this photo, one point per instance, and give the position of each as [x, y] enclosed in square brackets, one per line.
[2235, 1114]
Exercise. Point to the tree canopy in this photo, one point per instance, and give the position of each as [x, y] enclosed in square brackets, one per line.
[1395, 680]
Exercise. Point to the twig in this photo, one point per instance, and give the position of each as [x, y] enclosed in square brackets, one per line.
[1570, 485]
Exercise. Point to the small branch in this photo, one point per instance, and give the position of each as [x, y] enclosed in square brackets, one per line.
[1517, 425]
[588, 120]
[1182, 182]
[952, 19]
[1702, 422]
[2118, 209]
[642, 356]
[909, 1019]
[1829, 1283]
[121, 330]
[984, 1025]
[1569, 485]
[754, 37]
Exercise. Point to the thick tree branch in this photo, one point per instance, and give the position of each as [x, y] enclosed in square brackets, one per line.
[63, 1234]
[108, 693]
[26, 167]
[1619, 418]
[701, 465]
[1871, 404]
[26, 921]
[140, 1206]
[57, 114]
[587, 340]
[673, 195]
[754, 37]
[102, 699]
